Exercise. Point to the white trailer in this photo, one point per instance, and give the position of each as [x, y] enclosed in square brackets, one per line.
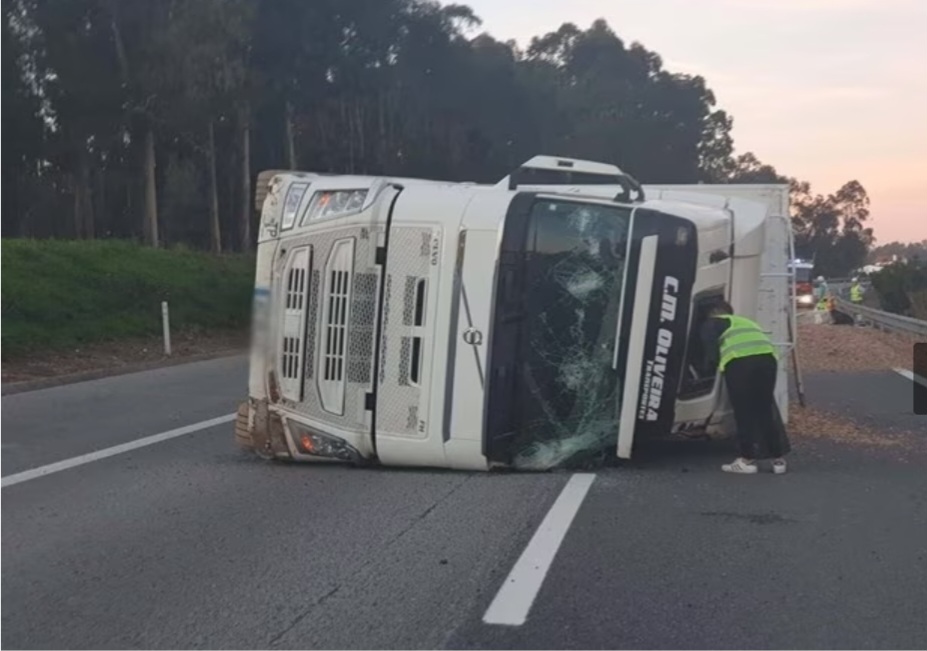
[414, 322]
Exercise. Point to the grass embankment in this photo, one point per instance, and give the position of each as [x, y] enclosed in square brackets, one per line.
[58, 294]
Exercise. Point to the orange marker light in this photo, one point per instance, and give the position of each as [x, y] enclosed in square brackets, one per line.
[307, 443]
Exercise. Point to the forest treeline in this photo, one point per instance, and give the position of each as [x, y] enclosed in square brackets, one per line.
[903, 250]
[150, 119]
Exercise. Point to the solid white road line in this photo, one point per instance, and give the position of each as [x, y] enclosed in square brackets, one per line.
[911, 376]
[517, 594]
[58, 466]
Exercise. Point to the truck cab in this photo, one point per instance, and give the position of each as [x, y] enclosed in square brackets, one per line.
[417, 322]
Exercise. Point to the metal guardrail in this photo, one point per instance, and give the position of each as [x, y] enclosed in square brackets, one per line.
[839, 289]
[883, 320]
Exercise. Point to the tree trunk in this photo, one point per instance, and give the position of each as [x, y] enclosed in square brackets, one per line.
[215, 234]
[362, 143]
[99, 197]
[78, 205]
[290, 143]
[321, 137]
[121, 57]
[230, 175]
[87, 222]
[13, 181]
[381, 114]
[151, 198]
[245, 180]
[347, 128]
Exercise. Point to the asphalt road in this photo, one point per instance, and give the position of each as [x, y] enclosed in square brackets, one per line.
[877, 399]
[190, 543]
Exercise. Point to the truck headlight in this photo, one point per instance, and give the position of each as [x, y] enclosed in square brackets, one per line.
[806, 299]
[335, 203]
[310, 441]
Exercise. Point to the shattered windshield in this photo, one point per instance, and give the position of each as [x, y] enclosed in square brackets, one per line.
[566, 390]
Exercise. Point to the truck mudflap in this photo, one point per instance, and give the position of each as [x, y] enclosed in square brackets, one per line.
[243, 426]
[260, 430]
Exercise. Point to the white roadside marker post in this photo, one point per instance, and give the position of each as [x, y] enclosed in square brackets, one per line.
[166, 327]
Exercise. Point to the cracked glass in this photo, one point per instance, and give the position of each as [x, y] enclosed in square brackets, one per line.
[567, 389]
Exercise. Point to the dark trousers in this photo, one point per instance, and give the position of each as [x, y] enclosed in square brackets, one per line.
[751, 384]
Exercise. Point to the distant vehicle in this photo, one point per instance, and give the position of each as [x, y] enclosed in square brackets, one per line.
[415, 322]
[804, 282]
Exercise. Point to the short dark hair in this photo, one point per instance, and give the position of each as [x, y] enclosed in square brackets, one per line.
[720, 306]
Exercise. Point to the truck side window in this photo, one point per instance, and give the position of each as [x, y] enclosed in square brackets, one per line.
[699, 377]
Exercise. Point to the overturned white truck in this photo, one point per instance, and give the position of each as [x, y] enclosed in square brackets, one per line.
[555, 314]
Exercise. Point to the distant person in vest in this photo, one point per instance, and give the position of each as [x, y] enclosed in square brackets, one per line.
[821, 289]
[856, 292]
[747, 358]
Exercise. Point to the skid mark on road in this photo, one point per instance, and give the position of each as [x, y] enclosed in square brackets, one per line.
[90, 457]
[752, 518]
[521, 586]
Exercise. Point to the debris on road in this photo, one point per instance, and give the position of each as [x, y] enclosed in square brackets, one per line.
[828, 348]
[810, 422]
[850, 348]
[810, 425]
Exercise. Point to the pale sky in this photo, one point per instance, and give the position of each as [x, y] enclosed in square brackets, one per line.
[824, 90]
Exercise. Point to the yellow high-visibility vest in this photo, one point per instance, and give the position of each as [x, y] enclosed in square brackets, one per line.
[744, 338]
[856, 293]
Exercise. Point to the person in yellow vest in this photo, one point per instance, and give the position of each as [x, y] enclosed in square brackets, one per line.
[820, 288]
[749, 363]
[856, 292]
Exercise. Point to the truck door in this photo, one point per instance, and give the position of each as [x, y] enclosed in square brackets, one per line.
[413, 327]
[406, 327]
[654, 324]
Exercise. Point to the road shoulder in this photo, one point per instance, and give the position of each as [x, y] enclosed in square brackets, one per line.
[52, 368]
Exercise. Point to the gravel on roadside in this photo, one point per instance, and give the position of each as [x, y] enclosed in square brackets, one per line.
[851, 348]
[831, 348]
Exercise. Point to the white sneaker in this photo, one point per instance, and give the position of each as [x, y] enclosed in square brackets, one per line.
[779, 467]
[740, 466]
